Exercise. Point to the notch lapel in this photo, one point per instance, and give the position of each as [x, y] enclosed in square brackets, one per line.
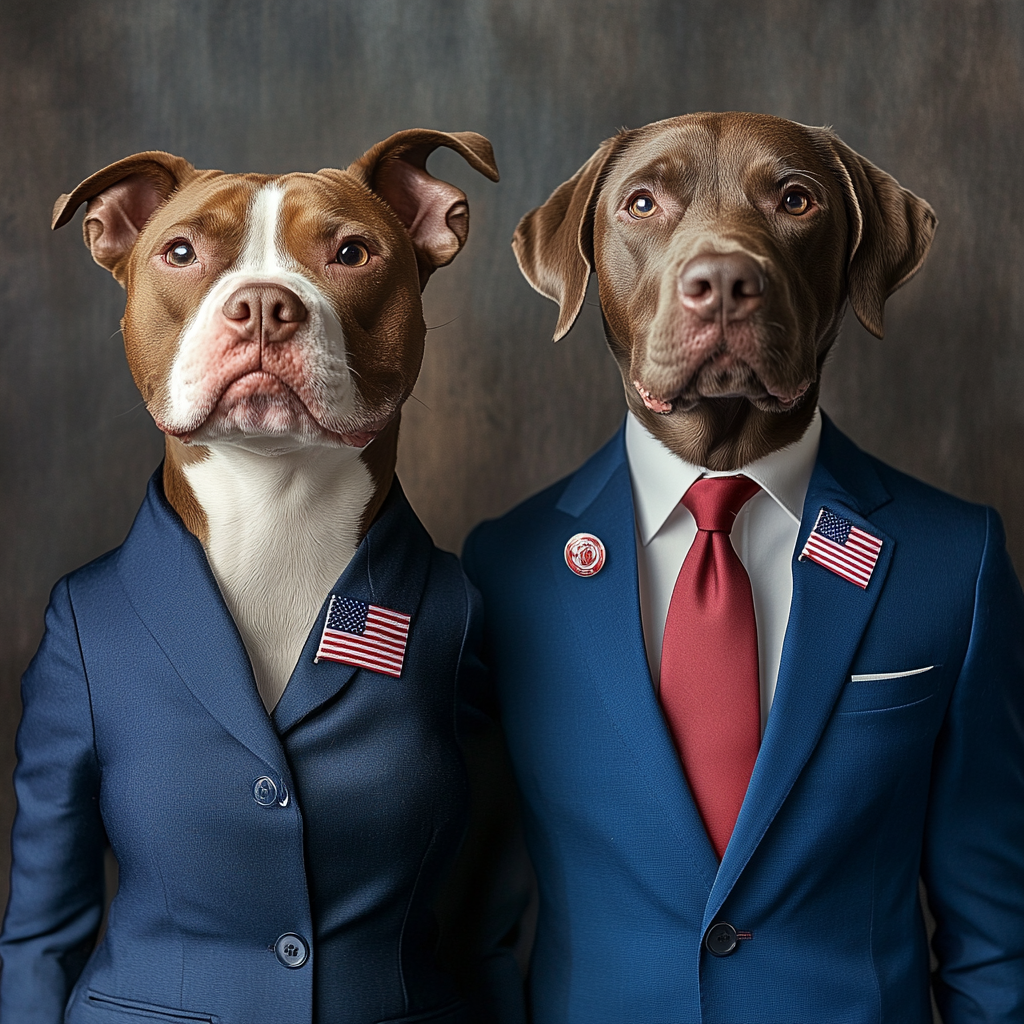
[605, 612]
[390, 569]
[169, 583]
[827, 620]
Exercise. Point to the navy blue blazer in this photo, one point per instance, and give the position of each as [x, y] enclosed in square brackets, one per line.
[860, 786]
[332, 822]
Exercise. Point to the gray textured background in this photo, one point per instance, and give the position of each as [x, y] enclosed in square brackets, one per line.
[931, 90]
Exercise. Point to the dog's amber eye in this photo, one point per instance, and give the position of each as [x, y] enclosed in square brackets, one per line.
[352, 254]
[181, 254]
[796, 202]
[642, 206]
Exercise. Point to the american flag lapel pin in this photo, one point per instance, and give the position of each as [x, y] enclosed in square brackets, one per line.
[842, 548]
[363, 634]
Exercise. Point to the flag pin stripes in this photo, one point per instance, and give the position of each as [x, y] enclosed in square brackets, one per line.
[363, 634]
[842, 548]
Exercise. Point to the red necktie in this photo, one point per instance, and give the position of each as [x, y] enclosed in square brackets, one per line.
[709, 677]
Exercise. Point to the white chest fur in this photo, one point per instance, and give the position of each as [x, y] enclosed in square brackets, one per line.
[282, 528]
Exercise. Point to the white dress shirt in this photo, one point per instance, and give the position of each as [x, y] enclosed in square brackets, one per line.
[763, 536]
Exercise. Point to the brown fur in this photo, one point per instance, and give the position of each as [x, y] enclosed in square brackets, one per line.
[210, 207]
[177, 488]
[740, 389]
[380, 458]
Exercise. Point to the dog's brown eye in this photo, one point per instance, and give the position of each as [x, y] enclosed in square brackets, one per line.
[181, 254]
[352, 254]
[642, 206]
[796, 202]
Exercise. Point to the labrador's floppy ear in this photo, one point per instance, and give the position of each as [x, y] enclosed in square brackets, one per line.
[554, 244]
[121, 197]
[891, 231]
[435, 214]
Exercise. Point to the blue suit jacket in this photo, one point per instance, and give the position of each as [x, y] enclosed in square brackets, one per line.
[859, 788]
[142, 723]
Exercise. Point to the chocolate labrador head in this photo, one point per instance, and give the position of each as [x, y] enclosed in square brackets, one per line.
[725, 247]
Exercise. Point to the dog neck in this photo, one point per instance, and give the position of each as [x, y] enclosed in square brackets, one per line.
[724, 434]
[278, 530]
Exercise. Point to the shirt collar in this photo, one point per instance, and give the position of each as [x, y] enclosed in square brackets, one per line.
[660, 477]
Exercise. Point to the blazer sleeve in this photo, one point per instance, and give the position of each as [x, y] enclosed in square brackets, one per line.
[490, 885]
[973, 860]
[56, 900]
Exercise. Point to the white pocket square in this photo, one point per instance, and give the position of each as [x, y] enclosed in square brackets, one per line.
[874, 677]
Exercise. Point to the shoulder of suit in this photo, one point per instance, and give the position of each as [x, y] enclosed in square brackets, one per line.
[104, 568]
[935, 531]
[84, 582]
[562, 499]
[897, 498]
[919, 506]
[94, 575]
[504, 543]
[536, 507]
[447, 578]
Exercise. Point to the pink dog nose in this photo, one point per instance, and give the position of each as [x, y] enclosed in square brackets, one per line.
[267, 312]
[714, 284]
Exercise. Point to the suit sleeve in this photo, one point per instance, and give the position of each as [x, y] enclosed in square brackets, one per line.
[973, 863]
[485, 906]
[58, 840]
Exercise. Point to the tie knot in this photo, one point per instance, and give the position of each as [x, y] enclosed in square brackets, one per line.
[715, 501]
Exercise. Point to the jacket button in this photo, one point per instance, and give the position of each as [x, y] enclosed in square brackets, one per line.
[721, 939]
[264, 791]
[291, 950]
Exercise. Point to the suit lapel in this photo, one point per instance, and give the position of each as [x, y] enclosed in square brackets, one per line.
[390, 569]
[167, 577]
[827, 619]
[605, 612]
[164, 571]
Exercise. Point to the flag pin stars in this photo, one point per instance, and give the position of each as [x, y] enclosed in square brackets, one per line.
[842, 548]
[585, 554]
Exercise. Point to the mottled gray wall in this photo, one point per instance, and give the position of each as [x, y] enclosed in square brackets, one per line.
[931, 90]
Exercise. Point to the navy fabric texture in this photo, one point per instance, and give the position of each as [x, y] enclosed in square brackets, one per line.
[861, 786]
[142, 725]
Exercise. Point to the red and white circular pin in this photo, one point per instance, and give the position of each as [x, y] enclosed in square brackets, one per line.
[585, 554]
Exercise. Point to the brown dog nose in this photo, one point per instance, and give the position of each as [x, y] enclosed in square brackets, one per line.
[714, 285]
[268, 312]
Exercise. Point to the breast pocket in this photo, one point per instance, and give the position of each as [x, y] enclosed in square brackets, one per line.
[887, 691]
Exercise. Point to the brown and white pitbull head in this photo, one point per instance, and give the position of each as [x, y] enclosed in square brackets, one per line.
[725, 246]
[278, 312]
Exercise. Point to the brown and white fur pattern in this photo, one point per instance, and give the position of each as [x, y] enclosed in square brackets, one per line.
[274, 327]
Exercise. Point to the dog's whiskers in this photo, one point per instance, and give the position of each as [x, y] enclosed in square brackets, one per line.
[118, 415]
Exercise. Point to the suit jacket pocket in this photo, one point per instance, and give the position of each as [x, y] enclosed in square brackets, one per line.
[114, 1008]
[453, 1013]
[887, 691]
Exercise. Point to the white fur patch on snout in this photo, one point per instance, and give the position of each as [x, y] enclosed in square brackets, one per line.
[197, 376]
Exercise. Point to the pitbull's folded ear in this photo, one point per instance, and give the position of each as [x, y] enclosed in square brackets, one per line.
[121, 197]
[554, 243]
[891, 231]
[435, 214]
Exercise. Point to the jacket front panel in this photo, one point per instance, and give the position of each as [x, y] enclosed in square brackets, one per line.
[335, 820]
[871, 773]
